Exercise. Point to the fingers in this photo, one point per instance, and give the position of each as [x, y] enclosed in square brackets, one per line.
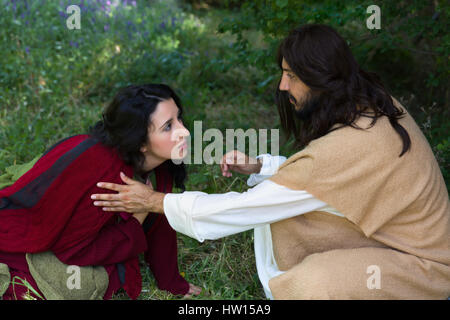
[225, 170]
[126, 179]
[114, 186]
[114, 209]
[106, 196]
[108, 203]
[193, 290]
[223, 166]
[232, 157]
[115, 206]
[110, 186]
[227, 161]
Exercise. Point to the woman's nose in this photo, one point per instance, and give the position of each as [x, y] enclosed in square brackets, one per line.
[183, 131]
[180, 132]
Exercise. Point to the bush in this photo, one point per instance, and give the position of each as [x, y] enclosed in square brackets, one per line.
[410, 51]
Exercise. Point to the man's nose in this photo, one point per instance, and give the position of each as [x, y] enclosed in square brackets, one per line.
[284, 84]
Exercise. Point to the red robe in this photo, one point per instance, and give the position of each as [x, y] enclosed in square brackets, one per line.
[49, 208]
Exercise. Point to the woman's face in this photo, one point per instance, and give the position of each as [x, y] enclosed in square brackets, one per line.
[166, 136]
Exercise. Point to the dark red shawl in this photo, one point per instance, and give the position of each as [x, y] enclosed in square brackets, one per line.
[49, 207]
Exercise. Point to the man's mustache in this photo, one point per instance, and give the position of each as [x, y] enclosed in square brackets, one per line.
[308, 107]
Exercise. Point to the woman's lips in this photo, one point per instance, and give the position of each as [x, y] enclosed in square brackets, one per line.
[183, 145]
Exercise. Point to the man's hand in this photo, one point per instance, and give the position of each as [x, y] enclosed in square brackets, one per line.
[133, 197]
[239, 162]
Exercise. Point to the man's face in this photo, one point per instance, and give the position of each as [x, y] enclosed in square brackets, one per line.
[298, 91]
[300, 95]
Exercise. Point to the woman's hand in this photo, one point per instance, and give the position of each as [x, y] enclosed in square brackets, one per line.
[239, 162]
[133, 197]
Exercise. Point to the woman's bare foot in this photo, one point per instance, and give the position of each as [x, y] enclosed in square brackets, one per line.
[193, 291]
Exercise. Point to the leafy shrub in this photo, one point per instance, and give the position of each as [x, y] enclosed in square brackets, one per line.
[410, 52]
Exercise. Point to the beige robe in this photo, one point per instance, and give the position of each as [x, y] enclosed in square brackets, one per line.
[394, 242]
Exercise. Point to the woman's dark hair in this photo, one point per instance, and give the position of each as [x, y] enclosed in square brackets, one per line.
[321, 58]
[125, 123]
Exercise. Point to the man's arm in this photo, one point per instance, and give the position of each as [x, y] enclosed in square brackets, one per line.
[269, 166]
[138, 198]
[211, 216]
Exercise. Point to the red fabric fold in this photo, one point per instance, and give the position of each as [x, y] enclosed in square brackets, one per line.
[49, 207]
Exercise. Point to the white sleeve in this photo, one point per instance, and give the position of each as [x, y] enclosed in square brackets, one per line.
[270, 165]
[212, 216]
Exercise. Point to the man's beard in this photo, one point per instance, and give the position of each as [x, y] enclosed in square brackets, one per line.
[305, 108]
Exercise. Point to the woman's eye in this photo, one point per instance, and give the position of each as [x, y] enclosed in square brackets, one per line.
[291, 76]
[168, 127]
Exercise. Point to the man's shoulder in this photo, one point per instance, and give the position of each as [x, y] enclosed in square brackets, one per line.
[352, 144]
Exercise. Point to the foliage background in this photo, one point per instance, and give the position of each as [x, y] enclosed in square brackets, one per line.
[219, 56]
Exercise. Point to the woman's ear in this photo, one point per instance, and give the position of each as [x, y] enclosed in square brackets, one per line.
[143, 149]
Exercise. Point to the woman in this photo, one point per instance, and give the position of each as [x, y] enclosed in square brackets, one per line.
[49, 210]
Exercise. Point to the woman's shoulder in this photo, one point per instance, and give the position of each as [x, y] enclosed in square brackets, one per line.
[81, 146]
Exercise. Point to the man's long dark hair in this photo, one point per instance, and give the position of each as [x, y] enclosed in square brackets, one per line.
[340, 89]
[125, 123]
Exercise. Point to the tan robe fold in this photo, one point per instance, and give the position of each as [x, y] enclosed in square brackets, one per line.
[396, 225]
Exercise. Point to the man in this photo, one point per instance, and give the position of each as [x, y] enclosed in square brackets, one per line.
[360, 212]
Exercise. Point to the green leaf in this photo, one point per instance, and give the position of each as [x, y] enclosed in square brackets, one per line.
[282, 3]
